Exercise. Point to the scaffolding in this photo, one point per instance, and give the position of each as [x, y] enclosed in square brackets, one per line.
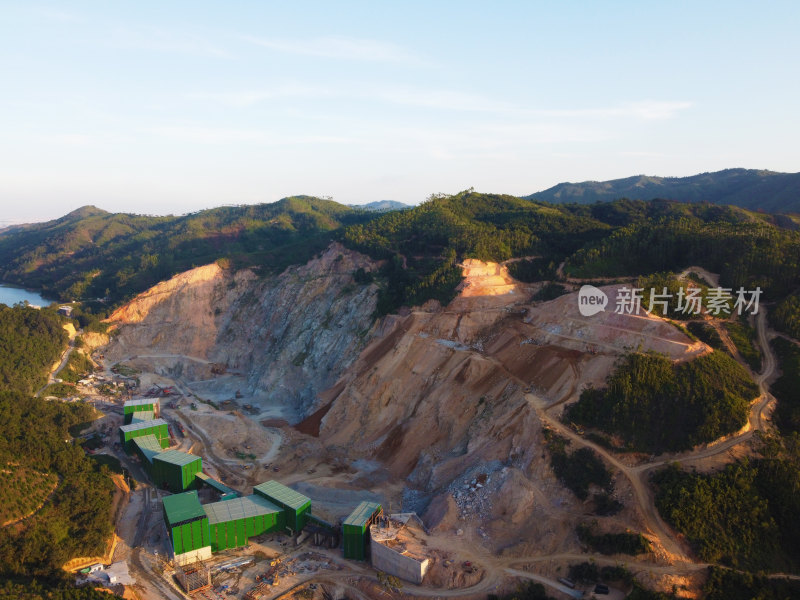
[194, 577]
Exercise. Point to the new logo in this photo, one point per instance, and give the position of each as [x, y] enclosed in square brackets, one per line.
[591, 300]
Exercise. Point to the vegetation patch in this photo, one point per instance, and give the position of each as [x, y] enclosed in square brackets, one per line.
[59, 390]
[31, 341]
[656, 406]
[786, 316]
[22, 491]
[726, 584]
[530, 270]
[743, 337]
[125, 370]
[612, 543]
[77, 367]
[785, 389]
[550, 291]
[743, 517]
[706, 333]
[76, 521]
[579, 470]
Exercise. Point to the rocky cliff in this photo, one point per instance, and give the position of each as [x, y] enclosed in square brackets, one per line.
[280, 341]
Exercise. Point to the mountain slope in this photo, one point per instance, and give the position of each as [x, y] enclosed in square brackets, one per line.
[749, 188]
[91, 253]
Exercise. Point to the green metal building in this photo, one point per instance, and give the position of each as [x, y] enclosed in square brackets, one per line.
[223, 489]
[175, 471]
[294, 505]
[142, 416]
[156, 427]
[187, 523]
[146, 447]
[131, 407]
[355, 529]
[232, 522]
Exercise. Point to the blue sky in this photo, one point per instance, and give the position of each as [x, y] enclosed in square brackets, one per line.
[171, 107]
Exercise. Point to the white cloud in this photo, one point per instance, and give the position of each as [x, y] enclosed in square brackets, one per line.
[159, 40]
[647, 110]
[443, 99]
[339, 47]
[221, 135]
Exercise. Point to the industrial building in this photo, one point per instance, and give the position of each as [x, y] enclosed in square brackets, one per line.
[146, 448]
[187, 525]
[226, 492]
[197, 530]
[175, 471]
[156, 427]
[134, 407]
[295, 506]
[232, 522]
[355, 529]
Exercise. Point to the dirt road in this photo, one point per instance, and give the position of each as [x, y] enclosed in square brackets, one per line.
[637, 474]
[64, 358]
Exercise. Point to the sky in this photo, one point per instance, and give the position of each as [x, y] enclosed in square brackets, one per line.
[172, 107]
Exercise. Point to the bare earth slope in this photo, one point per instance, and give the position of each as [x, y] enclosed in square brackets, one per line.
[281, 341]
[440, 398]
[445, 399]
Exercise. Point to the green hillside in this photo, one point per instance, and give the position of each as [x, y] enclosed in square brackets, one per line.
[90, 253]
[749, 188]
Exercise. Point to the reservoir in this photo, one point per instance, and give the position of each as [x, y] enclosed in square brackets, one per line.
[12, 295]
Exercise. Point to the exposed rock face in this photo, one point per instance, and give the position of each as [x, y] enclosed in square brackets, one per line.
[446, 398]
[445, 391]
[289, 336]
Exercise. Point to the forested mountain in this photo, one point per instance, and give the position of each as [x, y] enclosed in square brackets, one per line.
[382, 205]
[90, 253]
[93, 254]
[56, 499]
[749, 188]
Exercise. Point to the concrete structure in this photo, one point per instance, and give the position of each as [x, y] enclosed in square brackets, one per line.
[65, 310]
[156, 427]
[294, 505]
[355, 529]
[395, 550]
[175, 471]
[132, 407]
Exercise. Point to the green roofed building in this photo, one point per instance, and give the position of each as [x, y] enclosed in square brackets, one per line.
[146, 448]
[294, 505]
[156, 427]
[131, 407]
[355, 529]
[187, 524]
[142, 416]
[175, 471]
[223, 489]
[232, 522]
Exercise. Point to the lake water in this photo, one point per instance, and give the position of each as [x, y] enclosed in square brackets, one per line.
[12, 295]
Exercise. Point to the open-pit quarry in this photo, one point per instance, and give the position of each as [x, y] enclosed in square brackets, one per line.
[438, 411]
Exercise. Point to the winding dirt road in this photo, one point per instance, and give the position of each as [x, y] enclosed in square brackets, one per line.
[637, 474]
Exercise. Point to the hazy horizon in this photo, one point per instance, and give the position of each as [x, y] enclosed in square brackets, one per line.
[169, 109]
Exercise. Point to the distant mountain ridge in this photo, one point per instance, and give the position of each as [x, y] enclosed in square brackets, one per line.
[747, 188]
[382, 206]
